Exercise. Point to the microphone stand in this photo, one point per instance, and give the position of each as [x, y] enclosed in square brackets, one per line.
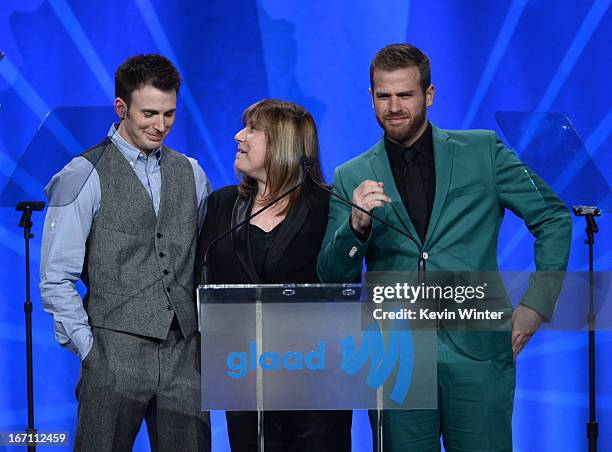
[27, 207]
[307, 165]
[589, 213]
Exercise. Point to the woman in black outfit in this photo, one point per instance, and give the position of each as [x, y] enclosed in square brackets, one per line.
[278, 246]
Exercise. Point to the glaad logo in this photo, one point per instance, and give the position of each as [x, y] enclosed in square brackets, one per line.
[382, 361]
[239, 363]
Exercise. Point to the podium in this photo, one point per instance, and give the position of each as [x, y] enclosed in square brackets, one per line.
[307, 347]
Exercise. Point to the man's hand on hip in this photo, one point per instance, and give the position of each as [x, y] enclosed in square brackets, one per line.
[525, 322]
[368, 195]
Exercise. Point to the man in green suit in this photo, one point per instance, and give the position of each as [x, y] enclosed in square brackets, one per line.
[448, 190]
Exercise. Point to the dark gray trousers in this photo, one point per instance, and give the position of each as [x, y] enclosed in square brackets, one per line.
[127, 378]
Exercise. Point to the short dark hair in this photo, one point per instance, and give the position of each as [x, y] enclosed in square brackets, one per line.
[140, 70]
[401, 56]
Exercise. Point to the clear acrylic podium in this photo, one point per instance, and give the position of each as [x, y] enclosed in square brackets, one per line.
[308, 347]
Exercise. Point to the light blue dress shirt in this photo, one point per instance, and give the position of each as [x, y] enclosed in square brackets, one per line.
[67, 227]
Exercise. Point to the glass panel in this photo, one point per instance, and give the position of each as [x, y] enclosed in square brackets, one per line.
[549, 144]
[64, 134]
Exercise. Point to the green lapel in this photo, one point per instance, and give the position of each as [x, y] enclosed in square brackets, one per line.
[382, 170]
[443, 156]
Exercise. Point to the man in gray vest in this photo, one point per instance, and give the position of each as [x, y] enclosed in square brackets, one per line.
[129, 234]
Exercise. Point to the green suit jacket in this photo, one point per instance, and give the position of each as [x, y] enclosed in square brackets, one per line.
[477, 178]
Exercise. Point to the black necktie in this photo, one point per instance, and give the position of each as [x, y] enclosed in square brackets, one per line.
[415, 193]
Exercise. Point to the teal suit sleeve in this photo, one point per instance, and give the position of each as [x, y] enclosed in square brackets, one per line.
[341, 257]
[545, 215]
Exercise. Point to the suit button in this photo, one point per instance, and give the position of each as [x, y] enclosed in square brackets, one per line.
[166, 272]
[425, 255]
[159, 235]
[162, 254]
[168, 307]
[168, 289]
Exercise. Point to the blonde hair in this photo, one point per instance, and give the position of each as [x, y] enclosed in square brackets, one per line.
[290, 133]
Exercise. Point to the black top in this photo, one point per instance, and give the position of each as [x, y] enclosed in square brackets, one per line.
[291, 256]
[414, 172]
[261, 242]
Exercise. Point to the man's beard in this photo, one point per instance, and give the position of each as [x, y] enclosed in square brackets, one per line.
[407, 133]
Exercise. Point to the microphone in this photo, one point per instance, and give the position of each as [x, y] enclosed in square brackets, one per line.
[204, 273]
[27, 207]
[307, 164]
[30, 205]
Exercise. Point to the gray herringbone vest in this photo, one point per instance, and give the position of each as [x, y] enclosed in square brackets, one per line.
[139, 267]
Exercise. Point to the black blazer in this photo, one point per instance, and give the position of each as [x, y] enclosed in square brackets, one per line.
[295, 247]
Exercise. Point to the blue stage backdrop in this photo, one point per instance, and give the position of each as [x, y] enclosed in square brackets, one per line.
[539, 55]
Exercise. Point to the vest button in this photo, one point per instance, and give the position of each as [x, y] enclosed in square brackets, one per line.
[166, 272]
[159, 235]
[168, 289]
[168, 307]
[162, 254]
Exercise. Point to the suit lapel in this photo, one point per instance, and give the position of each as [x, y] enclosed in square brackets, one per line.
[443, 155]
[382, 170]
[240, 237]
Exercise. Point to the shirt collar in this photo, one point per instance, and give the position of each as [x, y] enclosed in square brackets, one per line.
[424, 146]
[130, 153]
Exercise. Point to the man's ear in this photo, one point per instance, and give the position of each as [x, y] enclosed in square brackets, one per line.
[429, 95]
[120, 108]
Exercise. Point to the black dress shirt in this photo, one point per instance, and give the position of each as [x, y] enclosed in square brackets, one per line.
[414, 173]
